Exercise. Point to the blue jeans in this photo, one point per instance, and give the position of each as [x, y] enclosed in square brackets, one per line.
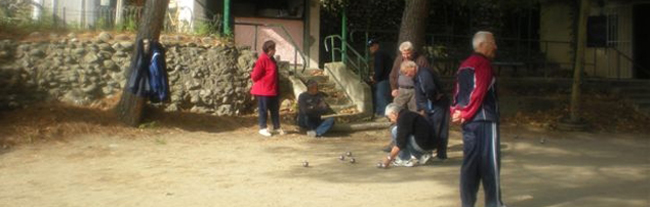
[321, 127]
[382, 96]
[412, 148]
[265, 104]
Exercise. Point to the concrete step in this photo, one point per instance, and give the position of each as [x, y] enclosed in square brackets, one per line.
[339, 107]
[337, 101]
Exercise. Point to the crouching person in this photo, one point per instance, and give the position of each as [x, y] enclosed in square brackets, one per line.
[412, 137]
[311, 106]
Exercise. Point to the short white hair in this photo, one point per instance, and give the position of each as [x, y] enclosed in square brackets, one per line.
[406, 65]
[392, 108]
[406, 46]
[480, 37]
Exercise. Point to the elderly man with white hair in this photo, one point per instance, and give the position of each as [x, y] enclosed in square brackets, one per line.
[475, 106]
[431, 102]
[412, 137]
[402, 86]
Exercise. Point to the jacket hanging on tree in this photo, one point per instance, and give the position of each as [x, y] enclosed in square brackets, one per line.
[149, 73]
[158, 78]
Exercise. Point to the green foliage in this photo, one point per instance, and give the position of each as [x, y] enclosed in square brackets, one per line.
[128, 24]
[102, 23]
[206, 28]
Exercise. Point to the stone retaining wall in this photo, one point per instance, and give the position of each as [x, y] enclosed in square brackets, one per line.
[207, 78]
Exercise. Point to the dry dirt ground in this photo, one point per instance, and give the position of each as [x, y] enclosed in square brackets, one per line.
[194, 160]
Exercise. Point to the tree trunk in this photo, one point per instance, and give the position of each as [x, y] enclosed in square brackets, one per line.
[414, 22]
[130, 107]
[579, 60]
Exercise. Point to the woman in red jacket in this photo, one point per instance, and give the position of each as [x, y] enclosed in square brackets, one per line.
[266, 90]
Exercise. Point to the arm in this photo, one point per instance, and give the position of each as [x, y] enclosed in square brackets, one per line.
[426, 90]
[379, 66]
[391, 156]
[394, 73]
[258, 70]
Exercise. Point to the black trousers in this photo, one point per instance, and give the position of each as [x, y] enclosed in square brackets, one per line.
[439, 118]
[266, 104]
[481, 163]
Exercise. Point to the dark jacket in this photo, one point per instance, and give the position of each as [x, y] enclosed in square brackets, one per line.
[475, 95]
[138, 83]
[429, 94]
[158, 78]
[420, 60]
[310, 109]
[411, 123]
[382, 64]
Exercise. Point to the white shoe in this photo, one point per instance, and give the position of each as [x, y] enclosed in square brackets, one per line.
[265, 132]
[403, 163]
[279, 131]
[425, 158]
[311, 133]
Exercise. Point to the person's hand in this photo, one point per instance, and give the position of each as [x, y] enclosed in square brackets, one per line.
[386, 162]
[456, 117]
[394, 93]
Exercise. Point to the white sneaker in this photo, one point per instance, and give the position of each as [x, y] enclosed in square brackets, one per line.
[403, 163]
[265, 132]
[424, 158]
[279, 131]
[311, 133]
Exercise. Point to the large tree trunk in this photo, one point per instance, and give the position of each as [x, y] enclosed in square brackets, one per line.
[579, 60]
[130, 107]
[414, 22]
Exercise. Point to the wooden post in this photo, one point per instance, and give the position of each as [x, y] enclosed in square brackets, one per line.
[118, 12]
[130, 107]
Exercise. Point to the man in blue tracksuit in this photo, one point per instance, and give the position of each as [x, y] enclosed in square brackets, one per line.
[431, 103]
[475, 106]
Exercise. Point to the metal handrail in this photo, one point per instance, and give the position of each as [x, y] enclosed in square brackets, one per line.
[361, 63]
[286, 33]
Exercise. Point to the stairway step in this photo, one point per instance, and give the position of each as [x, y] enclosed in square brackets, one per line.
[337, 101]
[340, 107]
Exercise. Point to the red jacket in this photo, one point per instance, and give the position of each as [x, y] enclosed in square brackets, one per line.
[265, 76]
[475, 94]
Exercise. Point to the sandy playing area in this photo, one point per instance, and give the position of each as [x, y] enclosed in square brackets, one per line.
[237, 167]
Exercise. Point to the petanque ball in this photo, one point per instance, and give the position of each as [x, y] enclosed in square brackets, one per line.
[341, 157]
[349, 154]
[305, 163]
[352, 160]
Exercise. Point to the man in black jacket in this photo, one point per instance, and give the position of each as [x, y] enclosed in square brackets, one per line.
[431, 102]
[381, 85]
[412, 137]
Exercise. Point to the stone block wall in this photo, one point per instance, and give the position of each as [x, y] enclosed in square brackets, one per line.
[204, 78]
